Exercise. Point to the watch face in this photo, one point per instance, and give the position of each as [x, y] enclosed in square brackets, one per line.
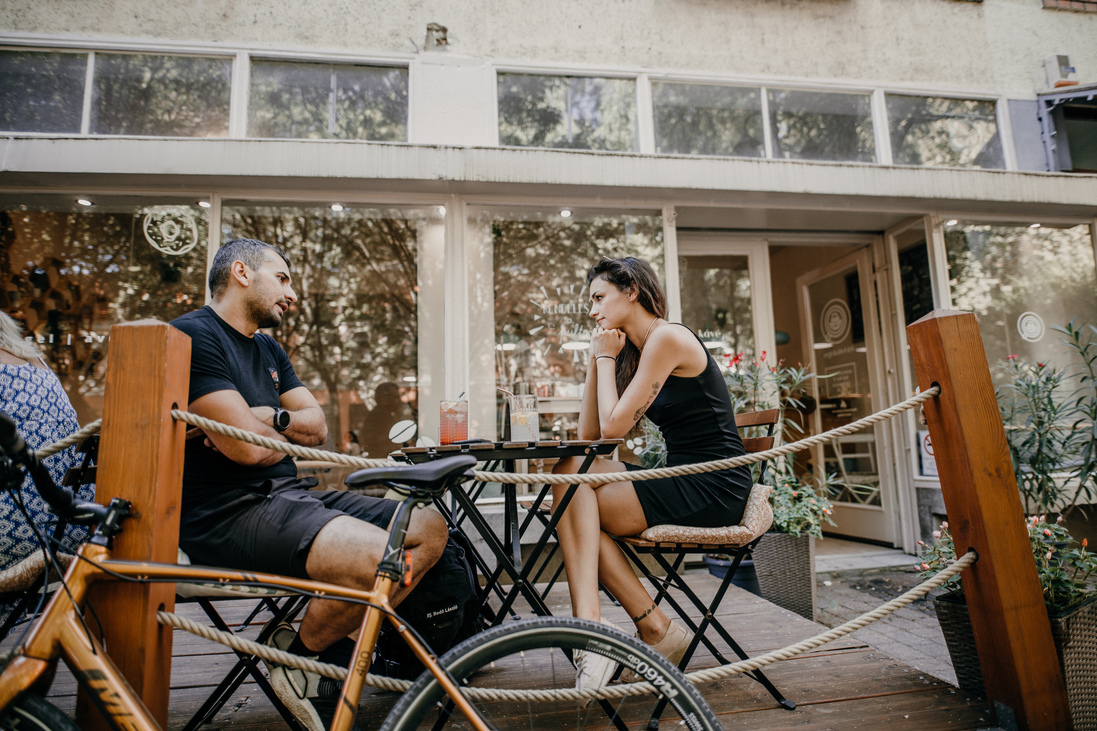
[281, 419]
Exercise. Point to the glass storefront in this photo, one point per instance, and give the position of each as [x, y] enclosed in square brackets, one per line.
[717, 302]
[353, 334]
[69, 272]
[1022, 281]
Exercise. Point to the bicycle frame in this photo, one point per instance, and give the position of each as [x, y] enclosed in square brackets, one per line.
[61, 633]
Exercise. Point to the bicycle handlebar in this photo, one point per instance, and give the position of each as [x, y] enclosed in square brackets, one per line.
[62, 500]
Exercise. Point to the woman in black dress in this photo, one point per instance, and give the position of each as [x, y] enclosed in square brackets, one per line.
[642, 365]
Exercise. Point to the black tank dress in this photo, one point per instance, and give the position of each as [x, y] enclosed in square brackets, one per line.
[697, 422]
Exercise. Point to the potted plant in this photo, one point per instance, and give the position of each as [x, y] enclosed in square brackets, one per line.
[1065, 569]
[784, 560]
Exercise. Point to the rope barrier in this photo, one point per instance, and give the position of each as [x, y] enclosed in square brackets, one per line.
[70, 440]
[215, 427]
[569, 694]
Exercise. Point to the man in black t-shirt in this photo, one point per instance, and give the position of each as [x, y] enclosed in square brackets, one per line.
[244, 506]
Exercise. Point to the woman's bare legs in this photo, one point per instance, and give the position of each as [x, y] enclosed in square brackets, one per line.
[590, 554]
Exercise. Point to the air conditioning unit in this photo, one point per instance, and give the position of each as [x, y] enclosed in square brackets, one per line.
[1059, 72]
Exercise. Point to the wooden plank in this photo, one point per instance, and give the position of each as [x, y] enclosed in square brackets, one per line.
[141, 460]
[1012, 633]
[757, 418]
[757, 444]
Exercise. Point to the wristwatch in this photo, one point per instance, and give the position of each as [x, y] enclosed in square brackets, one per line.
[280, 420]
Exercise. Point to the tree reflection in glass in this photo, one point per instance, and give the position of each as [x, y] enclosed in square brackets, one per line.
[68, 276]
[354, 327]
[326, 101]
[582, 113]
[817, 125]
[41, 92]
[716, 302]
[935, 131]
[707, 119]
[163, 96]
[1021, 282]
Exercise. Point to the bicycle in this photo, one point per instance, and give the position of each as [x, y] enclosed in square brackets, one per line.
[509, 657]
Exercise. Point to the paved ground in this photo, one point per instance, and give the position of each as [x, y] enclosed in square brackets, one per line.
[911, 634]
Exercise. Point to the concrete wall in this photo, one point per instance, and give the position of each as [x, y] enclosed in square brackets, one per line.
[994, 46]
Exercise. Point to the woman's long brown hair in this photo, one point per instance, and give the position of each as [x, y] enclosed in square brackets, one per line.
[631, 274]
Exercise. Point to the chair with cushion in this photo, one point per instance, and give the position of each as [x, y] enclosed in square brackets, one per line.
[668, 546]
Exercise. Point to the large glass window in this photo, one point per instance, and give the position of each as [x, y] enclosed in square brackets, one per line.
[817, 125]
[935, 131]
[1021, 281]
[577, 112]
[716, 302]
[353, 334]
[542, 330]
[707, 119]
[41, 91]
[162, 96]
[326, 101]
[69, 273]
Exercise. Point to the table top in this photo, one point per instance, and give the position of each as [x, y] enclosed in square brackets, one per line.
[486, 451]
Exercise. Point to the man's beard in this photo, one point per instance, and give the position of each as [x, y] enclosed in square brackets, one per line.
[263, 318]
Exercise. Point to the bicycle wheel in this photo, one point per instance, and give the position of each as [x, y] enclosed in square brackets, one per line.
[34, 713]
[529, 655]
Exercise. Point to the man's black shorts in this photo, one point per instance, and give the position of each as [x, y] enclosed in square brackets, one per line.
[256, 530]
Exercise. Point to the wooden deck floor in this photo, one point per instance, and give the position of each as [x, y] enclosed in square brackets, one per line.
[844, 685]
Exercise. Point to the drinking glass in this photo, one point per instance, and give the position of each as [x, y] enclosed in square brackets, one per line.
[453, 422]
[523, 419]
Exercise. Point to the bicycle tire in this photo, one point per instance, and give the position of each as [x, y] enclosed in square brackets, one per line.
[528, 654]
[32, 712]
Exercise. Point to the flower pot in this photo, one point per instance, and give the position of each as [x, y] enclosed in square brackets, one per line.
[955, 622]
[745, 578]
[785, 565]
[1074, 632]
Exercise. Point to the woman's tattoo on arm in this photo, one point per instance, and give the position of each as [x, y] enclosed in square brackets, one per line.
[640, 411]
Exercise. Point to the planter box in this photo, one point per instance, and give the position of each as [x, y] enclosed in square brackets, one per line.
[785, 565]
[1075, 635]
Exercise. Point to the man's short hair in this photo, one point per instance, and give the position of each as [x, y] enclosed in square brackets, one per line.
[249, 251]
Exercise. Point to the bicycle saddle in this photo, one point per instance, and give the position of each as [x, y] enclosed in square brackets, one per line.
[437, 474]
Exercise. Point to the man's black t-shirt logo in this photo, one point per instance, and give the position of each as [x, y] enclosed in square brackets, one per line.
[274, 375]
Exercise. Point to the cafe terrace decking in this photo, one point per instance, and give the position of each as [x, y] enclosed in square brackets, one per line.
[844, 685]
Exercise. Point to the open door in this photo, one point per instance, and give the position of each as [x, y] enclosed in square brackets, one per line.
[840, 331]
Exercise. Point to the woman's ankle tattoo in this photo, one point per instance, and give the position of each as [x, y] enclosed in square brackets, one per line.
[641, 617]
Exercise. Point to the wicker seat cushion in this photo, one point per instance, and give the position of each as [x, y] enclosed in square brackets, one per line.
[757, 518]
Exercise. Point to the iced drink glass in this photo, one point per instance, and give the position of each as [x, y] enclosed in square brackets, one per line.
[453, 422]
[523, 419]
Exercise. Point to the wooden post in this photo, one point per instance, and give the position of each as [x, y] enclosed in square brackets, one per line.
[1012, 633]
[141, 460]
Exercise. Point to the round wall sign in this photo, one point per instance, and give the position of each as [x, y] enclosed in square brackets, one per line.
[171, 230]
[1030, 327]
[834, 322]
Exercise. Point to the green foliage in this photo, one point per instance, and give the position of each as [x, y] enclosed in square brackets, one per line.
[1064, 567]
[1049, 414]
[799, 506]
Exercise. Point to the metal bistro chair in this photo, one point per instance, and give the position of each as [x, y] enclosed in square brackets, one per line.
[669, 545]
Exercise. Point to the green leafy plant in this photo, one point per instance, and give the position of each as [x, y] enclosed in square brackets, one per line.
[1063, 566]
[800, 505]
[1050, 415]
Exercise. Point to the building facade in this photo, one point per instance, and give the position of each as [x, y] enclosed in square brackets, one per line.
[807, 176]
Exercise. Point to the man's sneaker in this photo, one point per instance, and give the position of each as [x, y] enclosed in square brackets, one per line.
[297, 689]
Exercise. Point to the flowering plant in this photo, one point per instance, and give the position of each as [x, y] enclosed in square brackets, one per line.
[1064, 570]
[799, 506]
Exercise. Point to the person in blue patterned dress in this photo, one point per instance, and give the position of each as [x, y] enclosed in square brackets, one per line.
[31, 395]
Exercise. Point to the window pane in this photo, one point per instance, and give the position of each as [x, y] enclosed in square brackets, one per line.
[69, 275]
[353, 334]
[816, 125]
[41, 92]
[324, 101]
[162, 96]
[944, 132]
[581, 113]
[542, 330]
[704, 119]
[716, 302]
[1021, 282]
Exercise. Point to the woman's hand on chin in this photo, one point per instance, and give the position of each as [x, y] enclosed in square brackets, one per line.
[606, 342]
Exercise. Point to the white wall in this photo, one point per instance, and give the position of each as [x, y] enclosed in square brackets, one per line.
[994, 46]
